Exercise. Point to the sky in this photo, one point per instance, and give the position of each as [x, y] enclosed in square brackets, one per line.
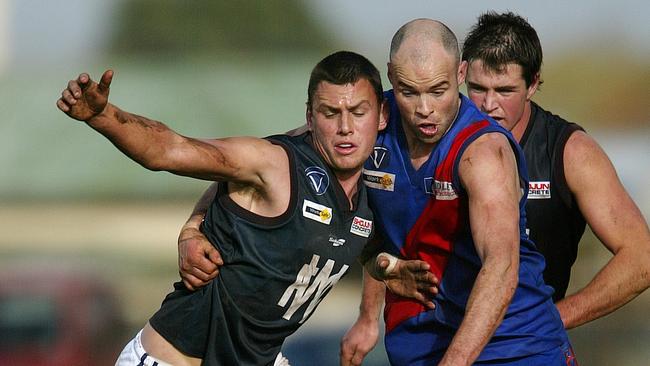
[35, 32]
[560, 24]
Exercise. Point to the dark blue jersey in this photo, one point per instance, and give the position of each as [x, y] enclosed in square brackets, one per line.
[423, 214]
[277, 269]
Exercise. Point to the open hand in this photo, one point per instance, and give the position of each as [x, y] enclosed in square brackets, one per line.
[84, 99]
[409, 278]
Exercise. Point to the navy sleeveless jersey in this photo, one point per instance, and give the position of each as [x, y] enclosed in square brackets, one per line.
[277, 270]
[422, 214]
[554, 219]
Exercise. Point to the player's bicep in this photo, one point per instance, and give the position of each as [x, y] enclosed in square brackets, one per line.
[599, 193]
[488, 172]
[239, 159]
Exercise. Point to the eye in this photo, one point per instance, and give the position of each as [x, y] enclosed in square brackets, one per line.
[407, 93]
[329, 113]
[475, 89]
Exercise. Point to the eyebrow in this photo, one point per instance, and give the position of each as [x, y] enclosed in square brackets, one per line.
[498, 88]
[443, 83]
[361, 103]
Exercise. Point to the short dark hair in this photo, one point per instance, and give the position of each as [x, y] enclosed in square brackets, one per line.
[344, 67]
[500, 39]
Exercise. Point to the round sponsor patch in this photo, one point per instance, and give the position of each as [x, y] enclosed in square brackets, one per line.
[318, 179]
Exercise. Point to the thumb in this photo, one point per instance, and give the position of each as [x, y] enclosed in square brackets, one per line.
[105, 82]
[382, 262]
[214, 255]
[386, 262]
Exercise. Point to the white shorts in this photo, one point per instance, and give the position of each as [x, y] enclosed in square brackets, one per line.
[281, 360]
[134, 354]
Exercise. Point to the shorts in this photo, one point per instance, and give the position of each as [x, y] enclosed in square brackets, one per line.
[134, 354]
[561, 356]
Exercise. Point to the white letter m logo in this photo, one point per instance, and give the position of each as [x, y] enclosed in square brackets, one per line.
[304, 290]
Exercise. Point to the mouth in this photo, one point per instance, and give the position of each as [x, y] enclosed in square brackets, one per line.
[497, 118]
[428, 129]
[345, 148]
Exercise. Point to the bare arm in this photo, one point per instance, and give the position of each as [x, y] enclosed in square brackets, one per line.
[153, 145]
[362, 337]
[617, 222]
[198, 259]
[494, 221]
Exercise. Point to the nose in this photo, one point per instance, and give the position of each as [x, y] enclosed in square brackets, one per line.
[489, 102]
[423, 106]
[345, 123]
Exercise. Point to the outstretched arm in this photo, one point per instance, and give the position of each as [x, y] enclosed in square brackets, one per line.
[198, 259]
[153, 145]
[494, 222]
[617, 222]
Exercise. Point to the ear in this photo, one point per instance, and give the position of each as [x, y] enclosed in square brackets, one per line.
[532, 89]
[462, 72]
[308, 117]
[384, 114]
[389, 67]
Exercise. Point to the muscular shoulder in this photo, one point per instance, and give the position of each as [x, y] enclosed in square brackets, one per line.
[585, 160]
[487, 146]
[487, 157]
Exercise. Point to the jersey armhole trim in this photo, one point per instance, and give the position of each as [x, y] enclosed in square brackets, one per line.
[558, 169]
[232, 206]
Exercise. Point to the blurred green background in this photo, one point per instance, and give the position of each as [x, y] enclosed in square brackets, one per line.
[217, 68]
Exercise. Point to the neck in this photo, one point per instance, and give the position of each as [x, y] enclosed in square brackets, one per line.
[521, 125]
[419, 151]
[349, 184]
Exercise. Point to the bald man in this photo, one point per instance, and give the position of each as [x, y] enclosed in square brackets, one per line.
[448, 186]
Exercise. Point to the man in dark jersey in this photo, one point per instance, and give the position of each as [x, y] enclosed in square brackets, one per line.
[572, 181]
[289, 218]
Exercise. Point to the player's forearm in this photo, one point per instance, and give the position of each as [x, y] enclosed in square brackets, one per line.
[201, 206]
[145, 141]
[372, 298]
[624, 277]
[486, 307]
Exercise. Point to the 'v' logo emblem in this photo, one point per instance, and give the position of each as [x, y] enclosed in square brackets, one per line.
[318, 179]
[379, 156]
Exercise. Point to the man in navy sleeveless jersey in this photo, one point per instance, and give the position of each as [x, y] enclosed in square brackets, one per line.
[572, 181]
[289, 218]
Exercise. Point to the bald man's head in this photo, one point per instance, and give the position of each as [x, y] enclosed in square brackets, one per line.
[416, 39]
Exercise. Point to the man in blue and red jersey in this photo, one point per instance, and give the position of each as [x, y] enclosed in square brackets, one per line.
[446, 185]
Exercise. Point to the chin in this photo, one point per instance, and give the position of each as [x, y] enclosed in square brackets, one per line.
[349, 166]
